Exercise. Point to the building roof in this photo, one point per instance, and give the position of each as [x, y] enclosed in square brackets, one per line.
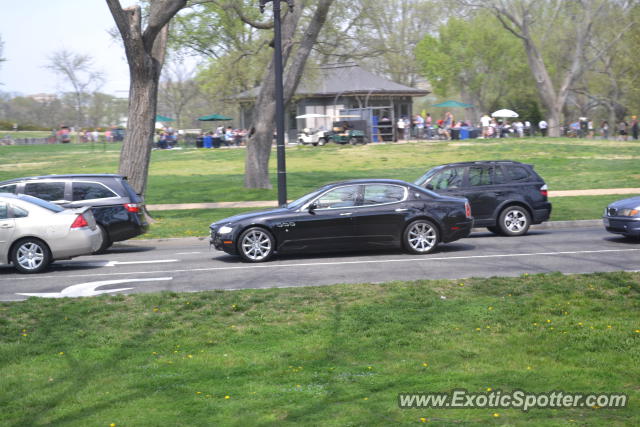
[345, 79]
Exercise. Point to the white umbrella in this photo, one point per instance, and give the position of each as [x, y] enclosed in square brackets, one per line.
[504, 113]
[311, 116]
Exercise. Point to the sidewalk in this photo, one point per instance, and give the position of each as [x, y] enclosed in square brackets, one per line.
[273, 204]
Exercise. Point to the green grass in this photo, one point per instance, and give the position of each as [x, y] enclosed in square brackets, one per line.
[335, 355]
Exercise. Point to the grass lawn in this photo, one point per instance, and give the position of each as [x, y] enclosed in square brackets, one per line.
[335, 355]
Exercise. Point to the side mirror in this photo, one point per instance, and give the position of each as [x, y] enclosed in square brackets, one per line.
[429, 186]
[312, 207]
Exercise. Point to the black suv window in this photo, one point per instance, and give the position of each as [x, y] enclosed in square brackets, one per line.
[448, 179]
[382, 193]
[90, 190]
[480, 175]
[11, 188]
[45, 190]
[517, 173]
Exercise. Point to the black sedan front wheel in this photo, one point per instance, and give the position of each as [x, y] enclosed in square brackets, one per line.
[420, 237]
[256, 244]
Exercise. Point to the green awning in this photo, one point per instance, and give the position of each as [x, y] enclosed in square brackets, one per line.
[160, 118]
[214, 118]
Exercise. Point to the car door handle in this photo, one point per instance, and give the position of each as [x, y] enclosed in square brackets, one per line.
[401, 210]
[6, 225]
[346, 213]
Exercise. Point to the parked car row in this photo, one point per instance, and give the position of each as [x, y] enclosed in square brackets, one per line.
[47, 218]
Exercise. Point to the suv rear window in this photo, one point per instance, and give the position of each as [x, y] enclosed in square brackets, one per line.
[11, 188]
[517, 173]
[90, 191]
[45, 190]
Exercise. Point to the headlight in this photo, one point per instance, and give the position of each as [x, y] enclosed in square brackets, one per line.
[225, 229]
[628, 212]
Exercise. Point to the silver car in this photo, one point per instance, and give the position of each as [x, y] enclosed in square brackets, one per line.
[34, 233]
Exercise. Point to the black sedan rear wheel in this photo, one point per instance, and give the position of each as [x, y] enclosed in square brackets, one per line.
[256, 244]
[420, 237]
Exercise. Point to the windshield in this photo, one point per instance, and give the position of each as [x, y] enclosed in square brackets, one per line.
[424, 178]
[40, 202]
[297, 204]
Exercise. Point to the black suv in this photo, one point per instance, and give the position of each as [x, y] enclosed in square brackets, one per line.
[116, 206]
[505, 196]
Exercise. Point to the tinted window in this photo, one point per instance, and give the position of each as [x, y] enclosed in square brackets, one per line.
[11, 188]
[4, 210]
[498, 176]
[517, 173]
[382, 193]
[448, 179]
[19, 212]
[341, 197]
[480, 175]
[45, 190]
[90, 190]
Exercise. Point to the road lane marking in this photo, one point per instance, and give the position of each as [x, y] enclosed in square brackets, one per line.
[335, 263]
[89, 289]
[188, 253]
[156, 261]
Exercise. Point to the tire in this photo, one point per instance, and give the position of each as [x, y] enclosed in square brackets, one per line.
[353, 140]
[30, 255]
[322, 141]
[514, 221]
[256, 244]
[106, 241]
[315, 144]
[420, 237]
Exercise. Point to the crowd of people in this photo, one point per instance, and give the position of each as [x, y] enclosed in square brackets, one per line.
[222, 136]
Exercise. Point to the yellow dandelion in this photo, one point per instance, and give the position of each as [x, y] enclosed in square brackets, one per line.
[579, 323]
[298, 385]
[154, 352]
[156, 309]
[460, 284]
[425, 364]
[369, 367]
[366, 398]
[61, 353]
[637, 331]
[423, 420]
[190, 356]
[609, 326]
[227, 397]
[496, 415]
[490, 308]
[24, 330]
[198, 392]
[489, 389]
[548, 320]
[24, 335]
[112, 425]
[535, 323]
[529, 368]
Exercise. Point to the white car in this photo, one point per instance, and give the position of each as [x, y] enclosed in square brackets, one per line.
[34, 233]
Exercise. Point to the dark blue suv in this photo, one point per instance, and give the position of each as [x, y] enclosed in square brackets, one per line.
[505, 196]
[118, 210]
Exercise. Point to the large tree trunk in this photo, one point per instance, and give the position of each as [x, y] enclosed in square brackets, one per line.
[260, 141]
[145, 51]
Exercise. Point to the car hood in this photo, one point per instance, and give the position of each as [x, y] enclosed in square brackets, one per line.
[248, 216]
[630, 203]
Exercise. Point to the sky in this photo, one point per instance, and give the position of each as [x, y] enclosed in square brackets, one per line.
[32, 30]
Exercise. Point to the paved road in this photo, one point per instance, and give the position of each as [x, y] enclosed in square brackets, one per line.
[187, 265]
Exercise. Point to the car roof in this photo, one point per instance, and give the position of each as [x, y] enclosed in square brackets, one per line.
[67, 176]
[482, 162]
[369, 181]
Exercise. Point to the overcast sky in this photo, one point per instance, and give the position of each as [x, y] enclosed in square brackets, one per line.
[34, 29]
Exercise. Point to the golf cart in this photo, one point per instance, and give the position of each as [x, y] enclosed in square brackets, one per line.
[351, 132]
[313, 136]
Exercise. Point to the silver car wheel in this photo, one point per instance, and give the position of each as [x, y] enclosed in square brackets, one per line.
[256, 245]
[30, 256]
[422, 237]
[515, 221]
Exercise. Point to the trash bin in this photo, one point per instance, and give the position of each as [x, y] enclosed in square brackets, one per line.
[464, 133]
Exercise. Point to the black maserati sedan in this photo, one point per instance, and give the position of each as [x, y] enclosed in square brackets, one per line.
[348, 215]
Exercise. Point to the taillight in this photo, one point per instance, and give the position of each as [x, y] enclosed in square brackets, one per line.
[80, 222]
[543, 191]
[467, 209]
[132, 207]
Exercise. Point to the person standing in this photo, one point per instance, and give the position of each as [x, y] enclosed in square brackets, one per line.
[418, 122]
[604, 128]
[543, 126]
[400, 127]
[622, 130]
[485, 122]
[428, 124]
[634, 128]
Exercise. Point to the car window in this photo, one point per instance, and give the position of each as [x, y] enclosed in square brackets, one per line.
[382, 193]
[341, 197]
[480, 175]
[517, 173]
[498, 176]
[45, 190]
[18, 212]
[4, 210]
[448, 179]
[11, 188]
[90, 190]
